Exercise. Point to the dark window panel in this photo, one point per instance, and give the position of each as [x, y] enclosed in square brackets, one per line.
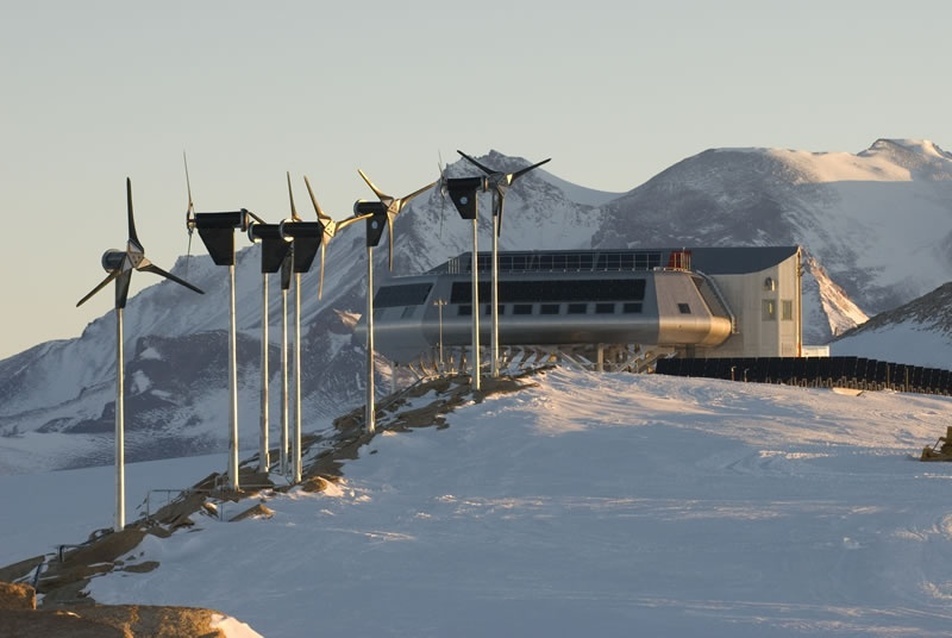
[402, 295]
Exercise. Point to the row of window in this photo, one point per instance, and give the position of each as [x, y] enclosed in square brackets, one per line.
[545, 291]
[554, 291]
[466, 310]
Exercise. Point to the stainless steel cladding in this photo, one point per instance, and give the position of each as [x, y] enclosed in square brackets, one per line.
[650, 297]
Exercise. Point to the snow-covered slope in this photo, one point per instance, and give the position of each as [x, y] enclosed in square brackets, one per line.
[617, 505]
[919, 332]
[876, 227]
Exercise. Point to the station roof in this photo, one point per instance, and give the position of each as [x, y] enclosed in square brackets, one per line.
[720, 260]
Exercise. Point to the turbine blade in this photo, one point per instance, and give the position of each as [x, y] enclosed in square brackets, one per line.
[405, 200]
[317, 207]
[471, 160]
[390, 220]
[132, 222]
[320, 284]
[525, 170]
[498, 205]
[286, 270]
[379, 193]
[122, 287]
[294, 214]
[344, 223]
[100, 286]
[152, 268]
[188, 185]
[189, 214]
[188, 253]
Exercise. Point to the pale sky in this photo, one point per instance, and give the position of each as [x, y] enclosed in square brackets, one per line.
[613, 92]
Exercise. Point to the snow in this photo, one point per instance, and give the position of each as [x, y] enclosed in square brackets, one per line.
[233, 628]
[609, 504]
[580, 194]
[903, 342]
[844, 167]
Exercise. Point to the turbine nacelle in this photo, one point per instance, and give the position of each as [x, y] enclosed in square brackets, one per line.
[275, 247]
[113, 260]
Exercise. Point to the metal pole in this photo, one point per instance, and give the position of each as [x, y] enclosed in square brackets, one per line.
[233, 376]
[439, 306]
[264, 464]
[120, 429]
[474, 266]
[285, 417]
[371, 425]
[494, 341]
[297, 378]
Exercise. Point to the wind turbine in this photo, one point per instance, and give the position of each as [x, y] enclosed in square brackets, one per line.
[120, 264]
[217, 232]
[499, 183]
[464, 192]
[378, 215]
[275, 251]
[306, 238]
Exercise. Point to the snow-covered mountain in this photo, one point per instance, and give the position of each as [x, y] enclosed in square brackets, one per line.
[876, 227]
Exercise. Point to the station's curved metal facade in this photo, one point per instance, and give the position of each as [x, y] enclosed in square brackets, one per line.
[649, 297]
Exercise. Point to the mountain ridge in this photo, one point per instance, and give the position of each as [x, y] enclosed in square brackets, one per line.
[718, 197]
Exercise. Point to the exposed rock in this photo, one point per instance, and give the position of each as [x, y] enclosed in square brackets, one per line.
[258, 511]
[24, 624]
[316, 484]
[111, 621]
[17, 596]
